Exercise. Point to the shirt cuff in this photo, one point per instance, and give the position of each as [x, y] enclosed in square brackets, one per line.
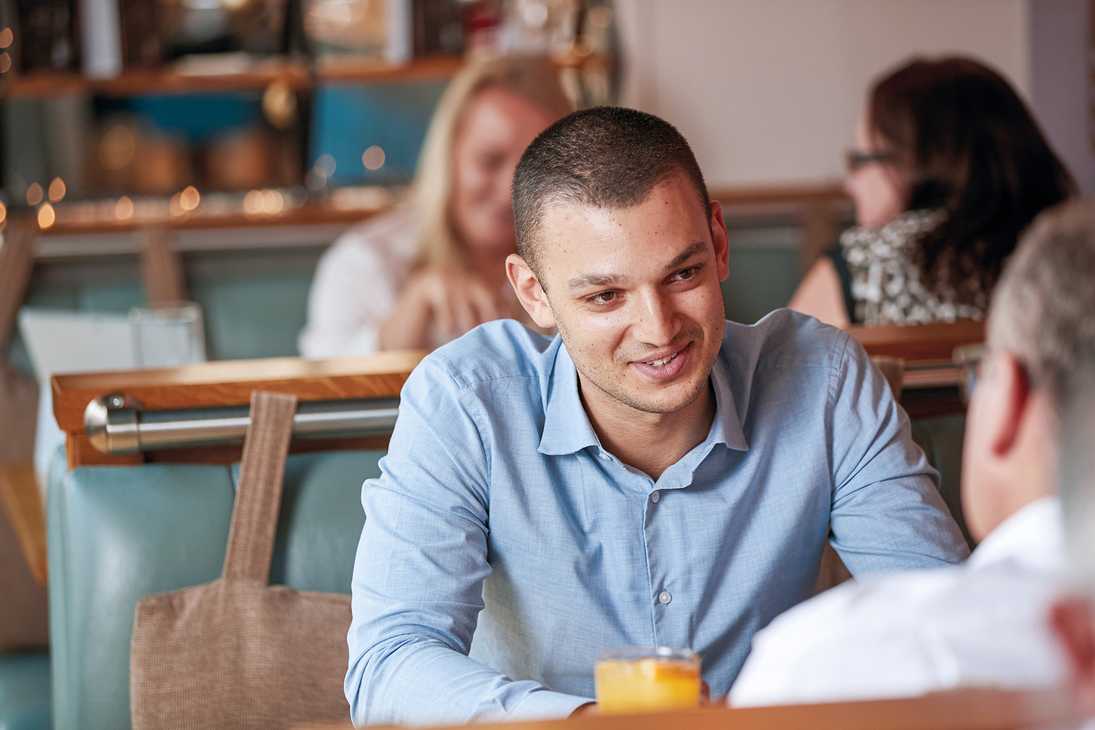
[547, 705]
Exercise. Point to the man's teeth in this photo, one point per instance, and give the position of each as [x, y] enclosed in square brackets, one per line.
[663, 361]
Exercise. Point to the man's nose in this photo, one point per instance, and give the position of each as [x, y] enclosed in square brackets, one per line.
[657, 321]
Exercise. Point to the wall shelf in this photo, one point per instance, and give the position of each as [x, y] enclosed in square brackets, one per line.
[254, 76]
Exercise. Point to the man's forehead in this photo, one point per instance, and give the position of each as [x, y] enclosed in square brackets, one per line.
[669, 213]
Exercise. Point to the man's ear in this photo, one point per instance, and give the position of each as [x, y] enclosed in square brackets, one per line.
[526, 285]
[1010, 404]
[719, 238]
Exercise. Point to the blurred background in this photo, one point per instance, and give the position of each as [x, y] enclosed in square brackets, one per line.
[243, 137]
[190, 180]
[251, 125]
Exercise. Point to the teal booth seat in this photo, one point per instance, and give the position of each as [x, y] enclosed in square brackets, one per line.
[117, 534]
[24, 691]
[254, 302]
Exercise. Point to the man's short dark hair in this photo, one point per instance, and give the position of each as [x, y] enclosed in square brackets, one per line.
[607, 157]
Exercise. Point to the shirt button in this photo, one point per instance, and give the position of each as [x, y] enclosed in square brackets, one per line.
[664, 598]
[654, 497]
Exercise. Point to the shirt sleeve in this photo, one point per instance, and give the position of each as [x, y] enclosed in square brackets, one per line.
[353, 292]
[419, 573]
[887, 513]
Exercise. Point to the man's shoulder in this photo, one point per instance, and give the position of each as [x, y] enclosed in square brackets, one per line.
[940, 600]
[498, 350]
[785, 337]
[940, 626]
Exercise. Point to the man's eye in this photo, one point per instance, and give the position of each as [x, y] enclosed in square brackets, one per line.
[605, 297]
[686, 274]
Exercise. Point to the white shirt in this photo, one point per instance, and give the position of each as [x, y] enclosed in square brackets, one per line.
[356, 286]
[984, 623]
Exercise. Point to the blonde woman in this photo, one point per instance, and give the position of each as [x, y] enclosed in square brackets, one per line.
[435, 267]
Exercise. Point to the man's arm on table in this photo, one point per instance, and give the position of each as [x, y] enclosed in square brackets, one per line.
[887, 513]
[419, 572]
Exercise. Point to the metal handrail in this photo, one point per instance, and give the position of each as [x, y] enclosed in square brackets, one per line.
[115, 425]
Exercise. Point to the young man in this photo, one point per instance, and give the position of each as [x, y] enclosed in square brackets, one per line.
[652, 475]
[984, 623]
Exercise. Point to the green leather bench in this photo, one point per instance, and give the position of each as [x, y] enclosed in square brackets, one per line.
[117, 534]
[254, 305]
[122, 526]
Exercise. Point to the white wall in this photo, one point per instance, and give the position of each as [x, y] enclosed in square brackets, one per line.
[1059, 73]
[768, 91]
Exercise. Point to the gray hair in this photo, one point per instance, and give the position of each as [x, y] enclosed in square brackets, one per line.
[1043, 309]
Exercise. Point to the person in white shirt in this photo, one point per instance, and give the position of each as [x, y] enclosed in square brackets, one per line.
[434, 267]
[984, 623]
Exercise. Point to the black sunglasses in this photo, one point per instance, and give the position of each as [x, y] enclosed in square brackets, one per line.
[857, 158]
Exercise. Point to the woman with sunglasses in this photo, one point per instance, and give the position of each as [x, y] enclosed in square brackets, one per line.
[949, 168]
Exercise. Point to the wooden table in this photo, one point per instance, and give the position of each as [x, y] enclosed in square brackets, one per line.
[967, 709]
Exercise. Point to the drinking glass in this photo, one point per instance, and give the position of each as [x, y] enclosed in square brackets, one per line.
[647, 678]
[167, 335]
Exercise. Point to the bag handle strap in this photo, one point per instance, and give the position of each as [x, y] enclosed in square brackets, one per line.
[16, 262]
[258, 496]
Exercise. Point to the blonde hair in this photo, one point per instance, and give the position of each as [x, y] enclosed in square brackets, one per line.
[530, 78]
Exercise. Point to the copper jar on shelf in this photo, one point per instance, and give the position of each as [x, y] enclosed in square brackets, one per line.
[198, 26]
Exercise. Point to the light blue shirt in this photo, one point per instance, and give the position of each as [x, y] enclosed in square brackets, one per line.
[504, 548]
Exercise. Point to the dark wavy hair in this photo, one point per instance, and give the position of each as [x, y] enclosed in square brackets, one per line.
[965, 144]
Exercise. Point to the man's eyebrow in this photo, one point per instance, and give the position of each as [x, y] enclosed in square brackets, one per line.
[684, 255]
[587, 280]
[593, 280]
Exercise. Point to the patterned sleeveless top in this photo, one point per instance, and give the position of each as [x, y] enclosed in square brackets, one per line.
[886, 285]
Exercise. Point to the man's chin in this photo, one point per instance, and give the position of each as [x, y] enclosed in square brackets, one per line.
[666, 400]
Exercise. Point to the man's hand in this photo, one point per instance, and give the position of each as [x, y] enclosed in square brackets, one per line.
[439, 303]
[457, 300]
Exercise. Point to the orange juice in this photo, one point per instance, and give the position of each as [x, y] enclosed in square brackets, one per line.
[645, 680]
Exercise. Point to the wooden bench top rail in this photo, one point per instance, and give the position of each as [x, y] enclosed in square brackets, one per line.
[221, 384]
[932, 378]
[965, 709]
[919, 342]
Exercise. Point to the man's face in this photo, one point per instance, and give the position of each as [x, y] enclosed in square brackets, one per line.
[635, 293]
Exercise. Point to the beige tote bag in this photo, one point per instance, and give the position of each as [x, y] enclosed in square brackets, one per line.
[23, 610]
[237, 652]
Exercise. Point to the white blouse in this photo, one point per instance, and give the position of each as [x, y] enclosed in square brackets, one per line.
[357, 284]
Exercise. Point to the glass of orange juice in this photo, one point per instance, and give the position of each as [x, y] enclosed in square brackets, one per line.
[646, 679]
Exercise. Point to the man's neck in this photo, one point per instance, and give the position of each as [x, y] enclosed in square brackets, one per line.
[651, 442]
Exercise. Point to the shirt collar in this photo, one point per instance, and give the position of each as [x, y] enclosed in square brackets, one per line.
[1032, 536]
[567, 428]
